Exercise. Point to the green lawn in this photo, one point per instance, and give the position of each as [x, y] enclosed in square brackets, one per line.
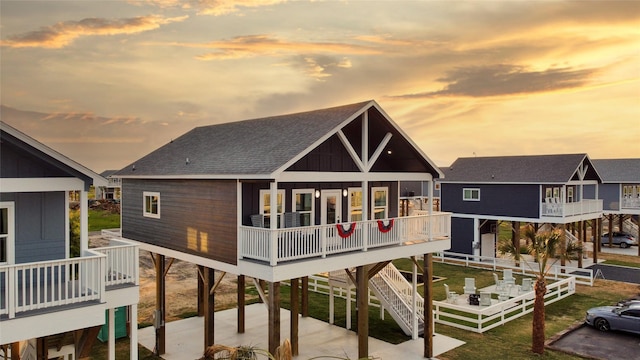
[100, 219]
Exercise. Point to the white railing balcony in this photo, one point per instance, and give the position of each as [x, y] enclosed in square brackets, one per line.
[587, 206]
[49, 284]
[274, 246]
[631, 203]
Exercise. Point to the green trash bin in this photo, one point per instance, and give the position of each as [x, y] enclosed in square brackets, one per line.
[121, 324]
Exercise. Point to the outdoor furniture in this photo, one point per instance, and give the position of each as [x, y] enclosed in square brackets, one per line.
[257, 220]
[474, 299]
[526, 285]
[291, 219]
[504, 294]
[507, 277]
[452, 297]
[485, 298]
[499, 283]
[469, 285]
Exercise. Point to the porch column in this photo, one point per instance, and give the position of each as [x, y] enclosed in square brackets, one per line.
[294, 316]
[241, 303]
[427, 279]
[581, 243]
[274, 316]
[133, 332]
[365, 215]
[84, 222]
[414, 300]
[430, 210]
[273, 214]
[595, 231]
[362, 290]
[209, 306]
[160, 305]
[111, 334]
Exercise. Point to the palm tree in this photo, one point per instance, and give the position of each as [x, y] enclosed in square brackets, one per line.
[543, 248]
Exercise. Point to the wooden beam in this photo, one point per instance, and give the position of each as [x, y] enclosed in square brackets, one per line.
[168, 266]
[362, 301]
[274, 316]
[42, 349]
[415, 261]
[160, 305]
[15, 351]
[199, 271]
[427, 278]
[241, 303]
[305, 296]
[215, 286]
[350, 275]
[295, 304]
[376, 268]
[209, 307]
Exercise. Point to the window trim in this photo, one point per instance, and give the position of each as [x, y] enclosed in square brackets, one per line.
[294, 207]
[373, 201]
[281, 192]
[145, 213]
[351, 209]
[11, 232]
[471, 192]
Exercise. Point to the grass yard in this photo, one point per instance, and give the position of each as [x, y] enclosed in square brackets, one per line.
[101, 219]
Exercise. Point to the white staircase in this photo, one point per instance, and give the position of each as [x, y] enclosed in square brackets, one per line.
[630, 227]
[395, 293]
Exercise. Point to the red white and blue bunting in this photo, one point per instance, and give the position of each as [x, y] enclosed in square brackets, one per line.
[385, 228]
[345, 233]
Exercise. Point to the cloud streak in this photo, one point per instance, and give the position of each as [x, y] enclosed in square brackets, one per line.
[213, 7]
[64, 33]
[506, 79]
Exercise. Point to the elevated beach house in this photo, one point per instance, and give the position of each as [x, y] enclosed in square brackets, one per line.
[53, 304]
[538, 189]
[281, 198]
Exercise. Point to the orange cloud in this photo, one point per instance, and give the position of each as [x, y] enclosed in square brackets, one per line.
[63, 33]
[213, 7]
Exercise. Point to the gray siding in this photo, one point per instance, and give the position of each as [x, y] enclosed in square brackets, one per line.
[40, 225]
[610, 195]
[196, 216]
[462, 235]
[513, 200]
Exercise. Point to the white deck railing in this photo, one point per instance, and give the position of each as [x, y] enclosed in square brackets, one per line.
[295, 243]
[482, 318]
[46, 284]
[587, 206]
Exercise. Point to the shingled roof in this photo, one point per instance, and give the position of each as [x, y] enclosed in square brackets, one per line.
[249, 147]
[516, 169]
[618, 170]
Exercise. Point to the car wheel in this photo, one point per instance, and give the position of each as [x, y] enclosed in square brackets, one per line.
[602, 325]
[624, 245]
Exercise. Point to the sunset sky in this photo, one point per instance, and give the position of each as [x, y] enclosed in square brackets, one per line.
[106, 82]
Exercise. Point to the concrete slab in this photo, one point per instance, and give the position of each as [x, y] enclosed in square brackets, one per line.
[184, 338]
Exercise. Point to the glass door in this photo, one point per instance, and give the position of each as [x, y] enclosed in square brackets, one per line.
[331, 207]
[6, 233]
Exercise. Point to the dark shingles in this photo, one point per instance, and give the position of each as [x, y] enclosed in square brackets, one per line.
[618, 170]
[514, 169]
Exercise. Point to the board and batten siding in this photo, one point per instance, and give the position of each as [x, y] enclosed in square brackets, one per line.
[196, 216]
[513, 200]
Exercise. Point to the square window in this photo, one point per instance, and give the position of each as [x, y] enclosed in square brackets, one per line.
[151, 204]
[471, 194]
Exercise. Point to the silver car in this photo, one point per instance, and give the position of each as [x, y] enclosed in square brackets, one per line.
[621, 239]
[623, 318]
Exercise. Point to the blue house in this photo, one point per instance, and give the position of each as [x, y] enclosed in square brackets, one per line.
[482, 191]
[50, 301]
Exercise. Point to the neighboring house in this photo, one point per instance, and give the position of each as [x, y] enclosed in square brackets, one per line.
[112, 190]
[620, 192]
[282, 198]
[539, 189]
[45, 293]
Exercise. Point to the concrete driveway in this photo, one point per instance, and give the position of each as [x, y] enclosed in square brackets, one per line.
[589, 342]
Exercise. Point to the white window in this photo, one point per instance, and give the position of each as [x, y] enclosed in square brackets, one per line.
[355, 204]
[6, 233]
[151, 204]
[471, 194]
[265, 207]
[380, 202]
[570, 194]
[304, 204]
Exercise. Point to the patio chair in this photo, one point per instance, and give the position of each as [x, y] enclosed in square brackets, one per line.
[291, 219]
[526, 285]
[499, 283]
[507, 277]
[451, 295]
[485, 298]
[257, 220]
[469, 285]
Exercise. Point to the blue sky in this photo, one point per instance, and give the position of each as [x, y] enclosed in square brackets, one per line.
[106, 82]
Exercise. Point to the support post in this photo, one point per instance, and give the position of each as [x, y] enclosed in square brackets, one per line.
[274, 316]
[42, 349]
[160, 306]
[295, 304]
[209, 306]
[111, 334]
[133, 332]
[427, 279]
[305, 296]
[241, 303]
[201, 290]
[362, 310]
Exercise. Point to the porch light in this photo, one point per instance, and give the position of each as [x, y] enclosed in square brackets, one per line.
[317, 194]
[345, 192]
